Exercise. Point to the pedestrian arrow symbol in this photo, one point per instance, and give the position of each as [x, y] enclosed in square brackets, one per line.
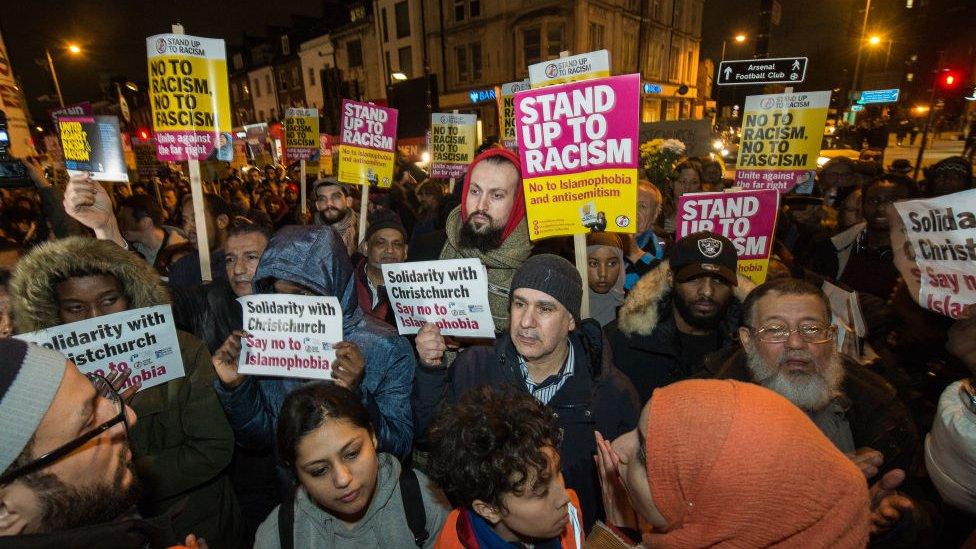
[796, 65]
[790, 70]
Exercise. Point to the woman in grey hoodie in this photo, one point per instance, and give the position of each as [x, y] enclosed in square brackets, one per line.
[349, 495]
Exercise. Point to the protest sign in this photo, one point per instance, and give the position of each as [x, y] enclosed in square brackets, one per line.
[83, 109]
[452, 140]
[934, 248]
[146, 162]
[188, 95]
[93, 144]
[290, 335]
[747, 218]
[452, 294]
[367, 144]
[585, 66]
[326, 148]
[143, 340]
[578, 148]
[695, 134]
[506, 111]
[301, 134]
[846, 313]
[781, 138]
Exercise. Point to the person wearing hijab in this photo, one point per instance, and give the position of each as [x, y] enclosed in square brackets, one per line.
[605, 270]
[731, 464]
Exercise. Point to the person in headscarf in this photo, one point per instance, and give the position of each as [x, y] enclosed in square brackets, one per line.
[605, 270]
[724, 463]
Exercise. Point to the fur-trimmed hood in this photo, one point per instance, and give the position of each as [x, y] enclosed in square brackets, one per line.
[650, 299]
[34, 303]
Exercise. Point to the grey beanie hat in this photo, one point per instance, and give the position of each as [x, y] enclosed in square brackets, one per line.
[29, 377]
[553, 275]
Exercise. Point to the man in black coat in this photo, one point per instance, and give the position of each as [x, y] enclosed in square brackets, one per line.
[553, 355]
[684, 309]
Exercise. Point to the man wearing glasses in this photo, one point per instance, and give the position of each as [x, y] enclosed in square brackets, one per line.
[789, 346]
[64, 452]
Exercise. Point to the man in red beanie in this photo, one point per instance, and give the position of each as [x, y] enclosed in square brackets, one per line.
[490, 225]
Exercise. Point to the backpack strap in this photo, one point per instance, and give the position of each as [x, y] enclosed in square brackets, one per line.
[286, 520]
[413, 506]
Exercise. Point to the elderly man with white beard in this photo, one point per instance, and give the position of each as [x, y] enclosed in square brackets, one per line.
[789, 346]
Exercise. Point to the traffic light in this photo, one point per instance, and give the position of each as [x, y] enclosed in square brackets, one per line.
[949, 79]
[143, 134]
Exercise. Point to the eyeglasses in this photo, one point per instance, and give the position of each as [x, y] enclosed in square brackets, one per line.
[810, 333]
[104, 389]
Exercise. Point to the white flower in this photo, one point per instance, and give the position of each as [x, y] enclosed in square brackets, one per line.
[674, 146]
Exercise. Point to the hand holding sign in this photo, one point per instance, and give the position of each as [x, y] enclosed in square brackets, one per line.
[225, 360]
[430, 345]
[347, 370]
[87, 202]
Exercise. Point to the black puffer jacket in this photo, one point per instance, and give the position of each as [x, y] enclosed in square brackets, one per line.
[210, 312]
[597, 397]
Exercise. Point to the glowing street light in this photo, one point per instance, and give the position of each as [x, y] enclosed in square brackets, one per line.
[74, 49]
[398, 76]
[740, 38]
[874, 40]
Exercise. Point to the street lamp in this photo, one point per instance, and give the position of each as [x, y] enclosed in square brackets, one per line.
[738, 38]
[860, 43]
[74, 49]
[874, 40]
[399, 76]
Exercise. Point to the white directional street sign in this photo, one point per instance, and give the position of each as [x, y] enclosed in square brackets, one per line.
[785, 70]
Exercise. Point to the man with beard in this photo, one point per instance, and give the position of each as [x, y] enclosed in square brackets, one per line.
[679, 312]
[788, 346]
[489, 225]
[332, 208]
[66, 477]
[183, 442]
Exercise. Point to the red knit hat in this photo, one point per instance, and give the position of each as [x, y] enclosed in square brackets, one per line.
[518, 207]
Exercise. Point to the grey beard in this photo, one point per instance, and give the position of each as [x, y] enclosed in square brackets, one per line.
[810, 393]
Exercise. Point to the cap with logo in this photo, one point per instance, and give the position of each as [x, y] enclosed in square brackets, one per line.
[703, 254]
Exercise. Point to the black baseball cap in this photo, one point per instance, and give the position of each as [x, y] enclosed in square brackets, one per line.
[704, 253]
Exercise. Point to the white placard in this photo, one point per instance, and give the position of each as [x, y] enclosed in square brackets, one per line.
[290, 335]
[141, 339]
[452, 294]
[595, 64]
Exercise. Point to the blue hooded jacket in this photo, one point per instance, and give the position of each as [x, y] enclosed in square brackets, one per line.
[315, 257]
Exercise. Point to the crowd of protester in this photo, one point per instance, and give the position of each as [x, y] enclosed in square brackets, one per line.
[689, 408]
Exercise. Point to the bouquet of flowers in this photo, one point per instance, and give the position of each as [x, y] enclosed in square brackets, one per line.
[658, 157]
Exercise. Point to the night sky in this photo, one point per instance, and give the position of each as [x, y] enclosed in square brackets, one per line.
[113, 35]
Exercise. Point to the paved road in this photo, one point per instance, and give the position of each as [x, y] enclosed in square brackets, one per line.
[938, 150]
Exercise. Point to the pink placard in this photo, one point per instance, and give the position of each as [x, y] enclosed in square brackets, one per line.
[368, 126]
[577, 127]
[747, 218]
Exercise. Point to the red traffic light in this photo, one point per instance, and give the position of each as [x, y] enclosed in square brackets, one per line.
[949, 79]
[143, 134]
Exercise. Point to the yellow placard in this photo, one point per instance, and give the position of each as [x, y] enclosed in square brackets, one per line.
[570, 204]
[754, 269]
[362, 166]
[185, 93]
[301, 133]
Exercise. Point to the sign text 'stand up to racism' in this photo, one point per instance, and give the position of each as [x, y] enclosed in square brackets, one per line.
[578, 148]
[290, 335]
[934, 243]
[781, 138]
[747, 218]
[452, 143]
[367, 142]
[188, 95]
[301, 134]
[143, 340]
[452, 294]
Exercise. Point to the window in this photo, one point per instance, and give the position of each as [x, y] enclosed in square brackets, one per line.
[657, 9]
[596, 36]
[554, 39]
[679, 15]
[469, 62]
[630, 46]
[267, 83]
[354, 52]
[283, 80]
[257, 88]
[357, 13]
[402, 12]
[690, 67]
[386, 31]
[285, 45]
[466, 9]
[532, 45]
[261, 115]
[673, 64]
[296, 76]
[405, 60]
[311, 77]
[238, 61]
[461, 53]
[389, 66]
